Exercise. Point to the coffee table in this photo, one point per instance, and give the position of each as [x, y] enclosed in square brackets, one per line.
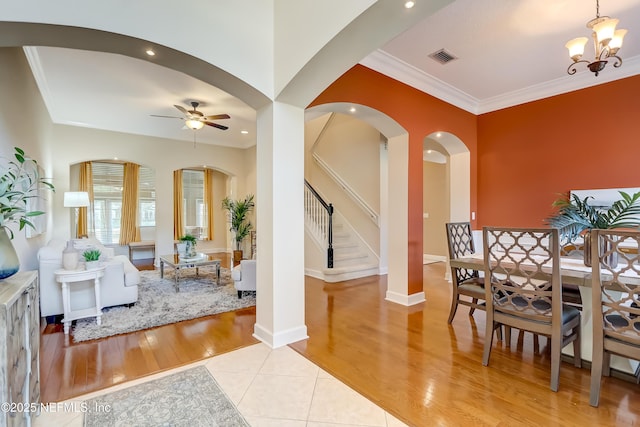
[178, 263]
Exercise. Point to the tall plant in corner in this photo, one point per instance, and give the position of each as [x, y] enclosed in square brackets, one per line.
[19, 182]
[238, 222]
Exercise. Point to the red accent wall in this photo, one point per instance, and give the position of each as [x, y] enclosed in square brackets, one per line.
[522, 157]
[530, 153]
[420, 114]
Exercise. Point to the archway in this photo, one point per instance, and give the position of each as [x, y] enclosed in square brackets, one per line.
[393, 204]
[454, 175]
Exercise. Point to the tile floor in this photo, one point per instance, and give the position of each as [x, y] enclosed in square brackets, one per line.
[271, 388]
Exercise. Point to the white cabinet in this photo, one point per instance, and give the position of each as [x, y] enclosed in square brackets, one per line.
[19, 347]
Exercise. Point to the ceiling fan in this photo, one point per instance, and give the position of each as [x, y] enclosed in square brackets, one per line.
[195, 120]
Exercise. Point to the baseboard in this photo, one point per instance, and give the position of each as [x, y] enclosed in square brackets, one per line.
[406, 300]
[280, 339]
[313, 273]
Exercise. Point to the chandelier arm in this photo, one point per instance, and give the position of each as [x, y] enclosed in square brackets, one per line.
[573, 69]
[618, 62]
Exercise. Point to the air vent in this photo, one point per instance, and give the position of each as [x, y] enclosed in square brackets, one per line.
[442, 56]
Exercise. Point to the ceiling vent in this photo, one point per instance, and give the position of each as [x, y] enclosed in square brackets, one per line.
[442, 56]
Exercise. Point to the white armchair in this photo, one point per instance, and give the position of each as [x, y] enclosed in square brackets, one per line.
[244, 276]
[119, 285]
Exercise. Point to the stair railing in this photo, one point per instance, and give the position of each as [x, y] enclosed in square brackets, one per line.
[320, 215]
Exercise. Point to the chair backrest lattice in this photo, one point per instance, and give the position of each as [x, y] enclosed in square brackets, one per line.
[617, 278]
[460, 240]
[524, 270]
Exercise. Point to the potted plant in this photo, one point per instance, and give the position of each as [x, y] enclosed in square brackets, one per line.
[239, 224]
[19, 182]
[189, 242]
[575, 217]
[91, 258]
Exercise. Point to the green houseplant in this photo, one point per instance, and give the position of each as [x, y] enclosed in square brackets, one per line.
[575, 217]
[20, 182]
[190, 244]
[91, 257]
[239, 224]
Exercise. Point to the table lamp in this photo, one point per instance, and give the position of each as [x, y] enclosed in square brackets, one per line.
[75, 200]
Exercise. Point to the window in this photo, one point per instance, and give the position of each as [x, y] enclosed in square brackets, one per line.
[107, 197]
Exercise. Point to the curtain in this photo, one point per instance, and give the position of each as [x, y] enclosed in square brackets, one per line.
[208, 200]
[178, 221]
[85, 183]
[129, 214]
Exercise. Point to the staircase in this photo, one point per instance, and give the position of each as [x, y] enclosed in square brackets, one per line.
[350, 260]
[347, 257]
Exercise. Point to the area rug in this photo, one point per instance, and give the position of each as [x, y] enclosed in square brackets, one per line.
[188, 398]
[160, 304]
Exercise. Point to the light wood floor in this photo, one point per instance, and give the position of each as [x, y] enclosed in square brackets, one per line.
[405, 359]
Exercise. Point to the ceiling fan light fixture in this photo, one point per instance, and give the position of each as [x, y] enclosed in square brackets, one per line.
[194, 124]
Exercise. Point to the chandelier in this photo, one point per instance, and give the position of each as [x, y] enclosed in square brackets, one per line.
[606, 40]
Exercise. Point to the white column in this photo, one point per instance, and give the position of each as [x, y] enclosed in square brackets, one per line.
[280, 225]
[398, 204]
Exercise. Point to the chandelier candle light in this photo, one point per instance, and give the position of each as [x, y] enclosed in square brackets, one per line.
[606, 39]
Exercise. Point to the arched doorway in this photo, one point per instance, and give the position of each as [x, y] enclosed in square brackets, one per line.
[393, 215]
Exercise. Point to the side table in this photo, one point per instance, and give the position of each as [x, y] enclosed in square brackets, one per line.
[67, 278]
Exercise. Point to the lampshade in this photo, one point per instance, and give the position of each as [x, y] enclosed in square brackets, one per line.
[76, 199]
[576, 47]
[616, 41]
[605, 30]
[194, 124]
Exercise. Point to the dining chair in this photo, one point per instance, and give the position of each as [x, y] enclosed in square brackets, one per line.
[615, 286]
[522, 266]
[465, 282]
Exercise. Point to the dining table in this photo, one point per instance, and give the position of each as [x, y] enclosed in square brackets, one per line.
[573, 271]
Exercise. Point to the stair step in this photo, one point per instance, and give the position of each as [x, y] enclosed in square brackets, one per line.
[347, 244]
[338, 274]
[347, 256]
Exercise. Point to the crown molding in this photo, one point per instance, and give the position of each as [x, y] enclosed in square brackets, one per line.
[33, 58]
[565, 84]
[393, 67]
[397, 69]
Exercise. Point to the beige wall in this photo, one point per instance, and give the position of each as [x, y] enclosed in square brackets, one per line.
[352, 149]
[74, 144]
[24, 123]
[57, 147]
[436, 206]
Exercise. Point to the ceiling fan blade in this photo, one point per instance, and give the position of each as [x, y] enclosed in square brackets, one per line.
[182, 109]
[215, 125]
[167, 117]
[217, 117]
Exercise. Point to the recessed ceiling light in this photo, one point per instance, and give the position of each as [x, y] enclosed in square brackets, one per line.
[428, 151]
[409, 4]
[150, 52]
[438, 135]
[352, 109]
[244, 132]
[115, 158]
